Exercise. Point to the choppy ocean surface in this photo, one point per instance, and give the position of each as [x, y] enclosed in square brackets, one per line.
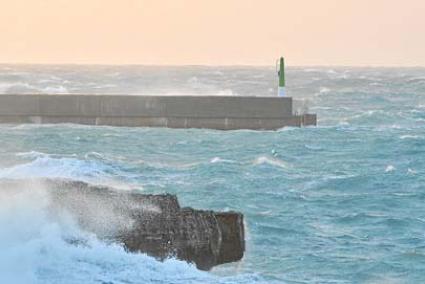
[343, 202]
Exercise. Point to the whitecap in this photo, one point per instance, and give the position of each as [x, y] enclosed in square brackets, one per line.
[313, 147]
[93, 171]
[36, 154]
[226, 92]
[193, 79]
[6, 88]
[112, 135]
[94, 155]
[376, 84]
[416, 80]
[322, 91]
[217, 72]
[389, 168]
[31, 154]
[266, 213]
[105, 86]
[54, 90]
[287, 128]
[310, 70]
[409, 137]
[216, 160]
[264, 160]
[220, 160]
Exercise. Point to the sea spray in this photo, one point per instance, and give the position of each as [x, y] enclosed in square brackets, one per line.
[41, 245]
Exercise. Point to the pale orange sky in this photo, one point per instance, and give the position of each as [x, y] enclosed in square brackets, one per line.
[213, 32]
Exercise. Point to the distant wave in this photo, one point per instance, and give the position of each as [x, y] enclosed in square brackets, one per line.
[26, 88]
[311, 70]
[52, 166]
[31, 154]
[53, 90]
[403, 137]
[416, 80]
[389, 168]
[264, 160]
[92, 167]
[322, 91]
[12, 87]
[225, 92]
[217, 160]
[313, 147]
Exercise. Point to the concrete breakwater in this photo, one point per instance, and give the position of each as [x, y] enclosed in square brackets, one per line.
[215, 112]
[152, 224]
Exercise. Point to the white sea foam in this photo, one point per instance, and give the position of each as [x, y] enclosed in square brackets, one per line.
[216, 160]
[322, 91]
[224, 92]
[368, 113]
[265, 160]
[288, 129]
[376, 84]
[21, 87]
[45, 166]
[6, 88]
[48, 166]
[416, 80]
[35, 249]
[389, 168]
[39, 247]
[313, 147]
[410, 137]
[54, 90]
[31, 154]
[311, 70]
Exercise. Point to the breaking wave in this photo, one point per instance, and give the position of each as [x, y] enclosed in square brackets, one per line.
[35, 248]
[264, 160]
[69, 168]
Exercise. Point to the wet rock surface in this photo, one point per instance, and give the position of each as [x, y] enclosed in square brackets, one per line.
[152, 224]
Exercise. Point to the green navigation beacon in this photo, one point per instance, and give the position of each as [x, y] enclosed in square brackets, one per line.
[281, 73]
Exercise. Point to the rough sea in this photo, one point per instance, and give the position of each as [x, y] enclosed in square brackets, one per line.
[343, 202]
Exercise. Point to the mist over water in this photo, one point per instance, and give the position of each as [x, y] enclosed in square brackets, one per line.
[337, 203]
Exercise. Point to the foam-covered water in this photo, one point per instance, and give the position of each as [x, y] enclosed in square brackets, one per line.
[337, 203]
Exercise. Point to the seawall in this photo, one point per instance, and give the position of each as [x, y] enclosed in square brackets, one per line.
[216, 112]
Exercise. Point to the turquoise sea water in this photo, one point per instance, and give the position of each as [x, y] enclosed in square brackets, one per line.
[339, 203]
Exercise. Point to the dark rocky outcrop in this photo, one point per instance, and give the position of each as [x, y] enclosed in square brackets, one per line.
[153, 224]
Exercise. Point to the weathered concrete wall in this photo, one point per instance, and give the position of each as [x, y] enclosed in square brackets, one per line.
[217, 112]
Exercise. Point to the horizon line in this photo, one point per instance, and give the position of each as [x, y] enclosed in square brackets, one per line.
[215, 65]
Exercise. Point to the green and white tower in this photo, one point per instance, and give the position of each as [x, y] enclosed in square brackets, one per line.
[281, 74]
